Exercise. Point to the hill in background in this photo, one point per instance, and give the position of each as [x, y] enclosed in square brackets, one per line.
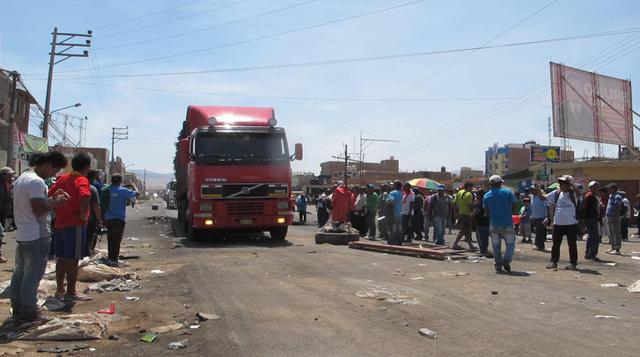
[154, 179]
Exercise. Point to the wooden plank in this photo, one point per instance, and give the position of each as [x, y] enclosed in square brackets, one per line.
[412, 250]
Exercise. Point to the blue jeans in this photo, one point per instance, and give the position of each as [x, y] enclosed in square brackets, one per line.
[395, 228]
[482, 235]
[498, 233]
[438, 228]
[427, 224]
[31, 261]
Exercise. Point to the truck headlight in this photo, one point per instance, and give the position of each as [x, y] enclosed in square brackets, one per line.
[206, 207]
[283, 204]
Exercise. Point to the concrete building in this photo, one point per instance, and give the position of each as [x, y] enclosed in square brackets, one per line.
[503, 160]
[468, 173]
[100, 155]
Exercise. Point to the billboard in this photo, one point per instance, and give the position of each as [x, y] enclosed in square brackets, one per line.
[545, 154]
[589, 106]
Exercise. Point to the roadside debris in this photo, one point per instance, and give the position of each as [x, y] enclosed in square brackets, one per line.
[607, 317]
[611, 285]
[119, 284]
[156, 271]
[58, 350]
[494, 292]
[418, 278]
[54, 304]
[132, 298]
[177, 345]
[428, 333]
[388, 296]
[148, 337]
[204, 316]
[93, 272]
[611, 264]
[75, 327]
[635, 287]
[455, 273]
[635, 257]
[114, 337]
[167, 328]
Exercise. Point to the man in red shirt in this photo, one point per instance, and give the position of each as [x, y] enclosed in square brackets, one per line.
[70, 229]
[341, 204]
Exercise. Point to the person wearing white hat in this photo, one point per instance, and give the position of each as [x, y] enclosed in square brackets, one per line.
[499, 204]
[563, 205]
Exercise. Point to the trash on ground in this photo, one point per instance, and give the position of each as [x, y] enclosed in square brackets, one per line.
[59, 350]
[194, 327]
[54, 304]
[387, 296]
[94, 272]
[607, 317]
[455, 273]
[75, 327]
[132, 298]
[428, 333]
[148, 337]
[119, 284]
[132, 238]
[177, 345]
[581, 298]
[635, 257]
[204, 316]
[108, 311]
[167, 328]
[494, 292]
[611, 264]
[530, 272]
[418, 278]
[635, 287]
[114, 337]
[611, 285]
[157, 271]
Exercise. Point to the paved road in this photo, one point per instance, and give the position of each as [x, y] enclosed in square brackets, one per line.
[300, 299]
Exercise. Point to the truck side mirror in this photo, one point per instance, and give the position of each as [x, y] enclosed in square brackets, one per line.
[298, 152]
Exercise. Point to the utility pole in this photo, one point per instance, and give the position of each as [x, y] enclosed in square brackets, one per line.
[117, 135]
[364, 144]
[52, 62]
[12, 118]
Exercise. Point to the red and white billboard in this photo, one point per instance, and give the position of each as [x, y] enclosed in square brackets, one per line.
[592, 107]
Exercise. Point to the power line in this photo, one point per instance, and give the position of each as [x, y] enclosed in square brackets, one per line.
[366, 59]
[263, 37]
[209, 27]
[146, 15]
[199, 13]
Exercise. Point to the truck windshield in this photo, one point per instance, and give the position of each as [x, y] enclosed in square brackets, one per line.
[241, 147]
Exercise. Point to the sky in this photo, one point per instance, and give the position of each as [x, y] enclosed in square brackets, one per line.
[441, 109]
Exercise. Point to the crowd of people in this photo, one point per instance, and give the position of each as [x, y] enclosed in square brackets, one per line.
[399, 213]
[60, 214]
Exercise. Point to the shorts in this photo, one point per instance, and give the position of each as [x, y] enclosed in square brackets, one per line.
[464, 223]
[70, 242]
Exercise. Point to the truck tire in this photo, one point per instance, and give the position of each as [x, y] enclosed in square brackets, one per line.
[336, 238]
[194, 234]
[279, 233]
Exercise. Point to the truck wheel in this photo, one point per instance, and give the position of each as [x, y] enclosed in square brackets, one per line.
[278, 233]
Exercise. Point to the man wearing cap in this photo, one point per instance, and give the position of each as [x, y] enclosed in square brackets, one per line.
[439, 210]
[463, 200]
[614, 211]
[6, 177]
[538, 215]
[395, 198]
[499, 204]
[562, 205]
[592, 221]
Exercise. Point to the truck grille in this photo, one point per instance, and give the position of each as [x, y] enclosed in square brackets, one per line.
[240, 208]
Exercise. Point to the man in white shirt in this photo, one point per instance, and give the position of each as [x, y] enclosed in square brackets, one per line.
[562, 205]
[31, 209]
[360, 210]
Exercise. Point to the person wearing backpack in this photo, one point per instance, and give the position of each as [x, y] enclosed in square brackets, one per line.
[563, 206]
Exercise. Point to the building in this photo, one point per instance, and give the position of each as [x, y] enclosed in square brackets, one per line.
[469, 173]
[16, 107]
[514, 157]
[100, 155]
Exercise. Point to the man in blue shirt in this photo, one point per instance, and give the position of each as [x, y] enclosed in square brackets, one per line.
[614, 212]
[395, 198]
[499, 204]
[115, 216]
[539, 206]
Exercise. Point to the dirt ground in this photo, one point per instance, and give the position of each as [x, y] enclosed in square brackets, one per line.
[296, 298]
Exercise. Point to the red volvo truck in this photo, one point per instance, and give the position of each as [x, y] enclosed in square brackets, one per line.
[233, 172]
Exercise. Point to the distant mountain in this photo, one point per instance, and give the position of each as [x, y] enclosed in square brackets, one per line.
[154, 179]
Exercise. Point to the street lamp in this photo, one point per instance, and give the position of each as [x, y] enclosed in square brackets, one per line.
[67, 107]
[125, 168]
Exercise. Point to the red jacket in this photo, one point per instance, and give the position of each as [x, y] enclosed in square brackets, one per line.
[341, 204]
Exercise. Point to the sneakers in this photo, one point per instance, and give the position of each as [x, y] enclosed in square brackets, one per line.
[571, 267]
[498, 268]
[614, 252]
[552, 265]
[596, 259]
[506, 267]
